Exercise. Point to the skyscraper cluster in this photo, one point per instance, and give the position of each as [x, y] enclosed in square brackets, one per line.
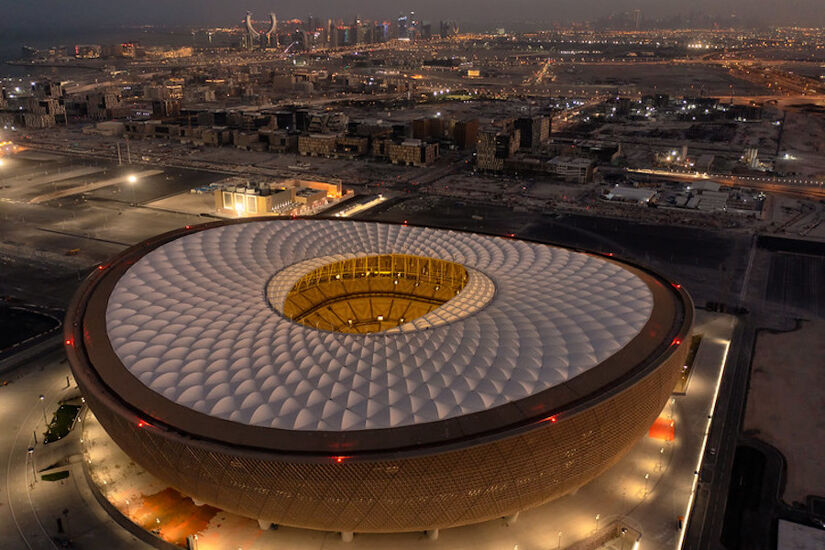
[313, 32]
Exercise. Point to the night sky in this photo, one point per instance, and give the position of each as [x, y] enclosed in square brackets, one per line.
[94, 14]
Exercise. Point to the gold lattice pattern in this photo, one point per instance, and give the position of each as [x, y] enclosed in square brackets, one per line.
[373, 293]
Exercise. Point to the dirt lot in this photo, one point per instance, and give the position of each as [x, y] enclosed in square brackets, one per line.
[673, 78]
[786, 400]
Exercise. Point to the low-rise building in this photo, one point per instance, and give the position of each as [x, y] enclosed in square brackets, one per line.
[308, 197]
[465, 133]
[494, 146]
[216, 136]
[639, 195]
[239, 198]
[412, 152]
[279, 141]
[533, 132]
[352, 146]
[243, 201]
[247, 140]
[572, 169]
[317, 145]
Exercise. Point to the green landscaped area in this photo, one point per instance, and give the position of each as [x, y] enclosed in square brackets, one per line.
[55, 476]
[61, 422]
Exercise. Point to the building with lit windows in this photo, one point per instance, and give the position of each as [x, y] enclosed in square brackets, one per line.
[365, 377]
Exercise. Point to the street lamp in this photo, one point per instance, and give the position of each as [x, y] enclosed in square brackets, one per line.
[34, 472]
[132, 180]
[43, 404]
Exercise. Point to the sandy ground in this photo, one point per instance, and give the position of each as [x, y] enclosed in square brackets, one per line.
[190, 203]
[804, 140]
[673, 78]
[786, 400]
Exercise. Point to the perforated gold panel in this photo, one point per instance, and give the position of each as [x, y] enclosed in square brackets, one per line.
[373, 293]
[440, 490]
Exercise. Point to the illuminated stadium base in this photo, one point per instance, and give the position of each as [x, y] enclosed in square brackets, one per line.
[544, 369]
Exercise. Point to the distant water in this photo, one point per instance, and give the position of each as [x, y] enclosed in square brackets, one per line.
[11, 44]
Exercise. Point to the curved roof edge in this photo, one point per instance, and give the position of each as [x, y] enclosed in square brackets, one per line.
[87, 345]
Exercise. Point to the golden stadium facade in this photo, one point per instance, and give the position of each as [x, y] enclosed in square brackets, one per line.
[366, 377]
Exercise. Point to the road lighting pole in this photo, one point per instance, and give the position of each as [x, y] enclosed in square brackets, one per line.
[34, 471]
[132, 180]
[43, 404]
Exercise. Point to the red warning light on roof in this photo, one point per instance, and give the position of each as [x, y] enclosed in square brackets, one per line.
[339, 459]
[69, 342]
[677, 341]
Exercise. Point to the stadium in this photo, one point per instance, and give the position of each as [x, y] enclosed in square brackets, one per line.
[366, 377]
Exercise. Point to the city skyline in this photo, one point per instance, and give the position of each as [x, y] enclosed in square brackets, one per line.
[98, 14]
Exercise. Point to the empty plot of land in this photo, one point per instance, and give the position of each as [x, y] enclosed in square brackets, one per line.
[23, 181]
[55, 176]
[38, 156]
[674, 78]
[189, 203]
[785, 403]
[798, 281]
[91, 186]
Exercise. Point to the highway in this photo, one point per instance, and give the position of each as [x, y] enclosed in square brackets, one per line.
[705, 526]
[809, 189]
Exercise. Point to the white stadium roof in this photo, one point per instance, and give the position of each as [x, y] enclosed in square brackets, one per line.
[192, 321]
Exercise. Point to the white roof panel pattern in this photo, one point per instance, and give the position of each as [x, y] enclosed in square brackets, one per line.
[191, 321]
